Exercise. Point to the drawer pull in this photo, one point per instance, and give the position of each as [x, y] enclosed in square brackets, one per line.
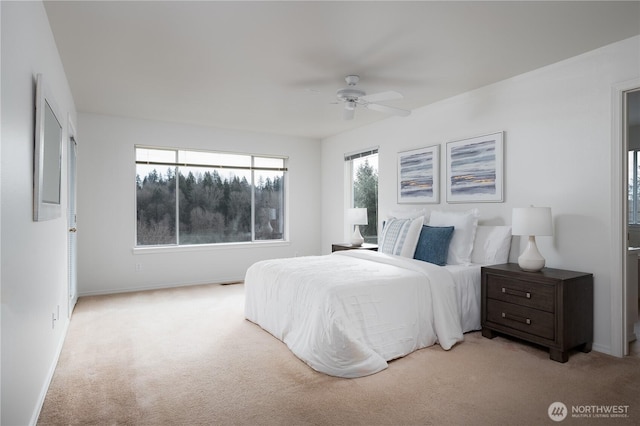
[518, 293]
[516, 318]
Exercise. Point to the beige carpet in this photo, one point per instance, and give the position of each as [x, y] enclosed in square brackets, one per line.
[187, 356]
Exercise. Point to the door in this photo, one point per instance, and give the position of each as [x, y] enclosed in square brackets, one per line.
[631, 140]
[72, 226]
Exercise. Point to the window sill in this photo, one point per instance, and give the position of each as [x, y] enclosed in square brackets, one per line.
[209, 247]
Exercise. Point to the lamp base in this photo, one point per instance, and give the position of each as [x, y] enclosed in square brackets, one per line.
[356, 238]
[531, 260]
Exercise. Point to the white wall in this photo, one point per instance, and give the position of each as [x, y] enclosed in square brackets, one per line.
[106, 205]
[557, 122]
[34, 262]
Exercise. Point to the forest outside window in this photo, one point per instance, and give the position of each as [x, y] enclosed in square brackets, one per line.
[363, 185]
[188, 197]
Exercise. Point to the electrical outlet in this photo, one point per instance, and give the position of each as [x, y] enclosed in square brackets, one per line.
[138, 267]
[53, 320]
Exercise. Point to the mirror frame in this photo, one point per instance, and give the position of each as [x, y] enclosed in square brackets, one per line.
[47, 158]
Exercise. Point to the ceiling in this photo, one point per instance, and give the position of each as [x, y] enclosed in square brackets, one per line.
[274, 67]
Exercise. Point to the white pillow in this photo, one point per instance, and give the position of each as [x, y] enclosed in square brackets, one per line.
[400, 236]
[491, 245]
[408, 214]
[465, 224]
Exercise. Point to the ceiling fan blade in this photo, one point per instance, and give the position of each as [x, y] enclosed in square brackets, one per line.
[388, 109]
[348, 113]
[382, 96]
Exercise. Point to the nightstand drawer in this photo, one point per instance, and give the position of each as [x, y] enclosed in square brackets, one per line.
[531, 321]
[532, 295]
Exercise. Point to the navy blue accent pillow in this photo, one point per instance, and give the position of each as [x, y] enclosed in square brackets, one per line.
[433, 244]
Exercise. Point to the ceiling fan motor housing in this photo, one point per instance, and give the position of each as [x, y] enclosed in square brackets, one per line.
[349, 94]
[352, 97]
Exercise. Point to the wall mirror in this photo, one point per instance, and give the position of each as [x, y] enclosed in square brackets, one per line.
[47, 157]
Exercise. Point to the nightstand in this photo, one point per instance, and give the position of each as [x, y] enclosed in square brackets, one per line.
[552, 307]
[348, 246]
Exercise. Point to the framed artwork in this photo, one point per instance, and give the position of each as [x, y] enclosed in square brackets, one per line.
[419, 175]
[47, 158]
[475, 169]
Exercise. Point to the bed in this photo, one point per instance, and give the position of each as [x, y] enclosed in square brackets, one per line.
[348, 313]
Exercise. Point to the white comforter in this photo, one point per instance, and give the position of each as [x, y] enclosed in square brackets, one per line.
[348, 313]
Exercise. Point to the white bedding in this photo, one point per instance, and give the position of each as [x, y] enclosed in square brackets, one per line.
[348, 313]
[467, 281]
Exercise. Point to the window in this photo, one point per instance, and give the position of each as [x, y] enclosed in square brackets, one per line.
[363, 168]
[197, 197]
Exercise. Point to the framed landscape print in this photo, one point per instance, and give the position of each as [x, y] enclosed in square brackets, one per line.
[419, 175]
[475, 169]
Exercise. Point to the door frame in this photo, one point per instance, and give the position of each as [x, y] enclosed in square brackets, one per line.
[72, 184]
[619, 221]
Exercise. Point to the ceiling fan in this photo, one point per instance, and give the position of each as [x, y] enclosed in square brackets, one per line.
[352, 97]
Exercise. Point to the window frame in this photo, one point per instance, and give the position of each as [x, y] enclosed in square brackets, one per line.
[349, 182]
[177, 247]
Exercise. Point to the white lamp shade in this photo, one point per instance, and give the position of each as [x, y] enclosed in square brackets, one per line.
[531, 221]
[357, 216]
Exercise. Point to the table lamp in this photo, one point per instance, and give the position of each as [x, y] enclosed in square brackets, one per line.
[531, 221]
[357, 217]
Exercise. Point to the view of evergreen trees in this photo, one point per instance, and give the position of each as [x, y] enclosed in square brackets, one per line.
[210, 209]
[365, 194]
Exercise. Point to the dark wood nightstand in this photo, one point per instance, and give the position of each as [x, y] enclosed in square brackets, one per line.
[552, 308]
[348, 246]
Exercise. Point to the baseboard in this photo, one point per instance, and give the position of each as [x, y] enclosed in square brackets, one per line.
[51, 372]
[602, 349]
[227, 280]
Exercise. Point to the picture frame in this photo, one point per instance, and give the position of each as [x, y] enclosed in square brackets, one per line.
[419, 175]
[47, 156]
[475, 171]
